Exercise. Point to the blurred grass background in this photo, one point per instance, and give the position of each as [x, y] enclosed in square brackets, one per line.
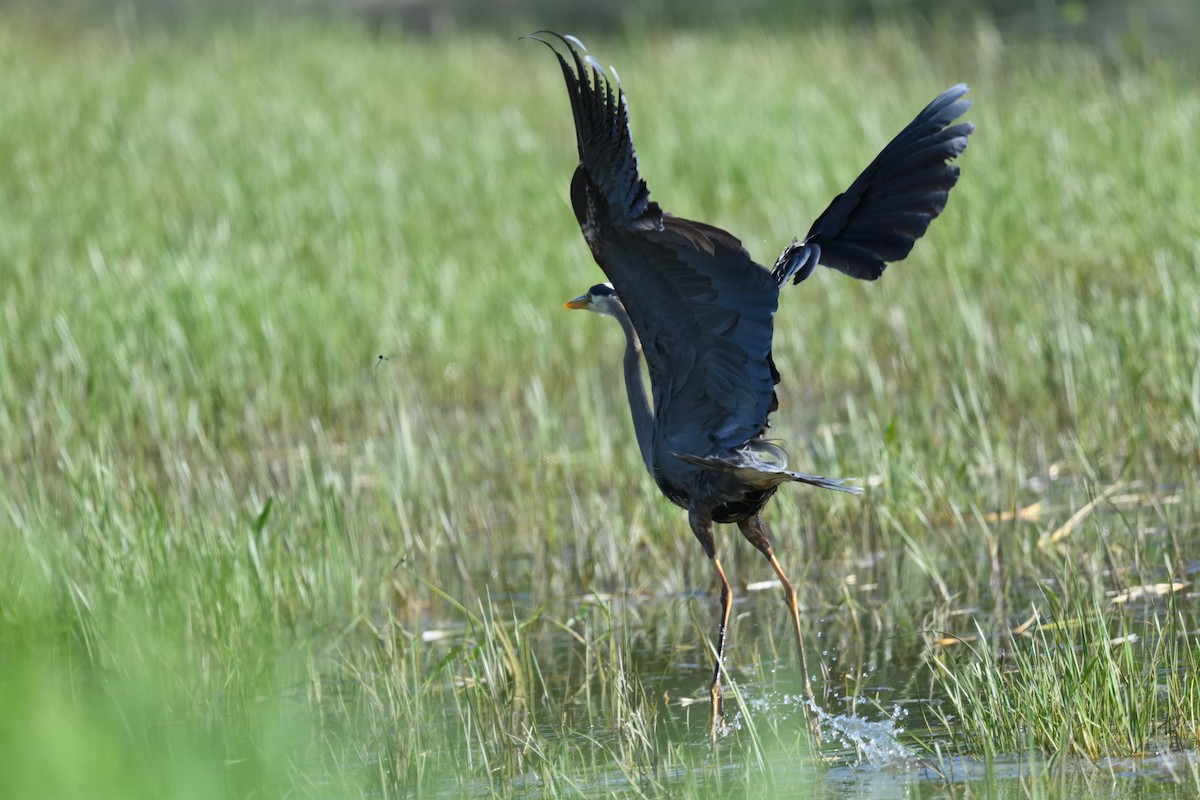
[244, 556]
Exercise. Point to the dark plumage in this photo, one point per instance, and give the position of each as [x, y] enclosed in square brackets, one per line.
[692, 301]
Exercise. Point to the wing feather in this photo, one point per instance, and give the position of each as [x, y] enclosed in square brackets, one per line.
[890, 205]
[606, 156]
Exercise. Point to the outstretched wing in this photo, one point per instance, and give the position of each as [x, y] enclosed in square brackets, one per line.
[606, 187]
[701, 307]
[890, 205]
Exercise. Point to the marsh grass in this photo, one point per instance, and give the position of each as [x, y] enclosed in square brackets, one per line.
[1085, 675]
[243, 556]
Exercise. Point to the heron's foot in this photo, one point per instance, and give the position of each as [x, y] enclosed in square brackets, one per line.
[718, 711]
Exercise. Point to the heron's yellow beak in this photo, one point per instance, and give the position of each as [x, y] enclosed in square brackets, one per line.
[578, 302]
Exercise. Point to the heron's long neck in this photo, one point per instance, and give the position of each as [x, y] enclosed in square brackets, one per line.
[635, 388]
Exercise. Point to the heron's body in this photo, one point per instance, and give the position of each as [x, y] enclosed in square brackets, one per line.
[696, 306]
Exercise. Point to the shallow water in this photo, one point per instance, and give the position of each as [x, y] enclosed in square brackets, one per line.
[884, 729]
[885, 739]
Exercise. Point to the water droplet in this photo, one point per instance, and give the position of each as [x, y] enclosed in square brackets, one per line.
[875, 742]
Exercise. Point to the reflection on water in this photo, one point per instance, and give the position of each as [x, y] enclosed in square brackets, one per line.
[1160, 776]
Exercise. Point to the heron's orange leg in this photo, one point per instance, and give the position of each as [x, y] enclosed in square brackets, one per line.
[756, 534]
[701, 521]
[726, 602]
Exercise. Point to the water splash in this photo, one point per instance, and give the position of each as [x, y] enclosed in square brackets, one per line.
[875, 742]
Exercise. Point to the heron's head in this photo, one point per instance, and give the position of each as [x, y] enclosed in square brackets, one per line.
[601, 298]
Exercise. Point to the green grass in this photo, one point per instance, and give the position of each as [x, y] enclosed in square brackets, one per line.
[1075, 688]
[244, 557]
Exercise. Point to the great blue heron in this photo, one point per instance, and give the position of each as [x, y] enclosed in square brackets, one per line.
[694, 304]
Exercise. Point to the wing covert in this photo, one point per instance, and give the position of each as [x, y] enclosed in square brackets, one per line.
[704, 314]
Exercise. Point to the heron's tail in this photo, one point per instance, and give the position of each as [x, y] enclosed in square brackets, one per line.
[838, 484]
[763, 464]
